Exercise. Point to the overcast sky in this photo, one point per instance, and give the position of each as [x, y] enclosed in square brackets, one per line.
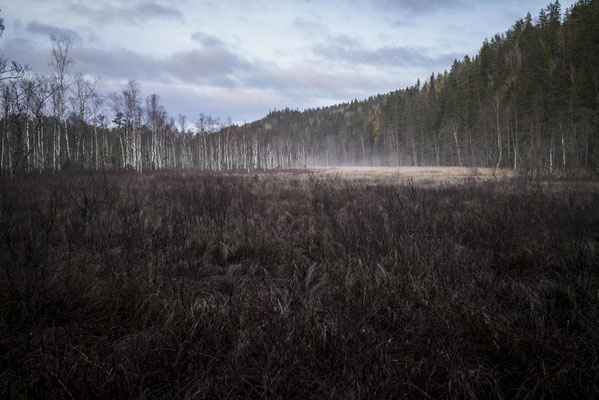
[238, 59]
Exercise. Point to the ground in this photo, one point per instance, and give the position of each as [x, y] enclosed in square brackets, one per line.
[338, 282]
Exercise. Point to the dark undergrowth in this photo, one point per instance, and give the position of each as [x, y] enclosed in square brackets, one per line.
[192, 285]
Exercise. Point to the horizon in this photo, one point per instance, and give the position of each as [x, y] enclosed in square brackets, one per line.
[240, 61]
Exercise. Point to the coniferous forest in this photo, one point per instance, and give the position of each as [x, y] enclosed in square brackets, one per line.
[529, 100]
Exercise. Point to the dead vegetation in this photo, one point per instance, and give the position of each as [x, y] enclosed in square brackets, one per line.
[296, 285]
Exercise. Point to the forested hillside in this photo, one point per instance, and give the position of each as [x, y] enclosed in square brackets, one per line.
[528, 100]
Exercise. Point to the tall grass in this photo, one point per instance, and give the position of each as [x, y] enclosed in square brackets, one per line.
[200, 285]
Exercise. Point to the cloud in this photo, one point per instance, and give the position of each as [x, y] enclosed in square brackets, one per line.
[154, 10]
[137, 13]
[301, 82]
[309, 26]
[344, 49]
[23, 51]
[419, 6]
[207, 40]
[214, 66]
[116, 63]
[49, 30]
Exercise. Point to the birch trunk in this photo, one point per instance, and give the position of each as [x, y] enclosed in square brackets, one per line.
[457, 144]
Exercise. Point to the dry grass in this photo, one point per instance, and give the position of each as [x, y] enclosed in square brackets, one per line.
[419, 175]
[298, 284]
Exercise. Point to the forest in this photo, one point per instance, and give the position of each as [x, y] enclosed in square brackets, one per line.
[529, 100]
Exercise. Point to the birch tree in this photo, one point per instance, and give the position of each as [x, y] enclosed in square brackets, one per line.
[60, 62]
[97, 102]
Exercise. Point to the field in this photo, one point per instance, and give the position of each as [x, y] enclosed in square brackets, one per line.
[333, 283]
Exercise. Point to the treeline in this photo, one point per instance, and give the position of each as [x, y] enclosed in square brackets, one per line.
[60, 120]
[528, 100]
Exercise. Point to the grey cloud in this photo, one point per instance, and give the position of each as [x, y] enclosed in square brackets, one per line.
[22, 51]
[412, 5]
[347, 50]
[208, 64]
[207, 40]
[219, 67]
[213, 66]
[136, 13]
[116, 63]
[392, 6]
[345, 41]
[305, 81]
[419, 6]
[264, 84]
[150, 9]
[309, 26]
[48, 30]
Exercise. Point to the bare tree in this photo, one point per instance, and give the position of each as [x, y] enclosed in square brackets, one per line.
[97, 102]
[132, 103]
[81, 103]
[118, 105]
[127, 108]
[16, 114]
[202, 145]
[12, 70]
[60, 63]
[185, 141]
[155, 118]
[39, 92]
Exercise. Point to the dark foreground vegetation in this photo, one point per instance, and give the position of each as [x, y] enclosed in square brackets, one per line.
[197, 285]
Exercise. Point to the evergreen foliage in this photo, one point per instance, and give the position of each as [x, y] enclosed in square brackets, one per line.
[529, 99]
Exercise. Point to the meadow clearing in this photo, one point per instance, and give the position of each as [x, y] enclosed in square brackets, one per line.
[329, 283]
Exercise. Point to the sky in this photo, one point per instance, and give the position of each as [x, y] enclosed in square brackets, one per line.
[241, 59]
